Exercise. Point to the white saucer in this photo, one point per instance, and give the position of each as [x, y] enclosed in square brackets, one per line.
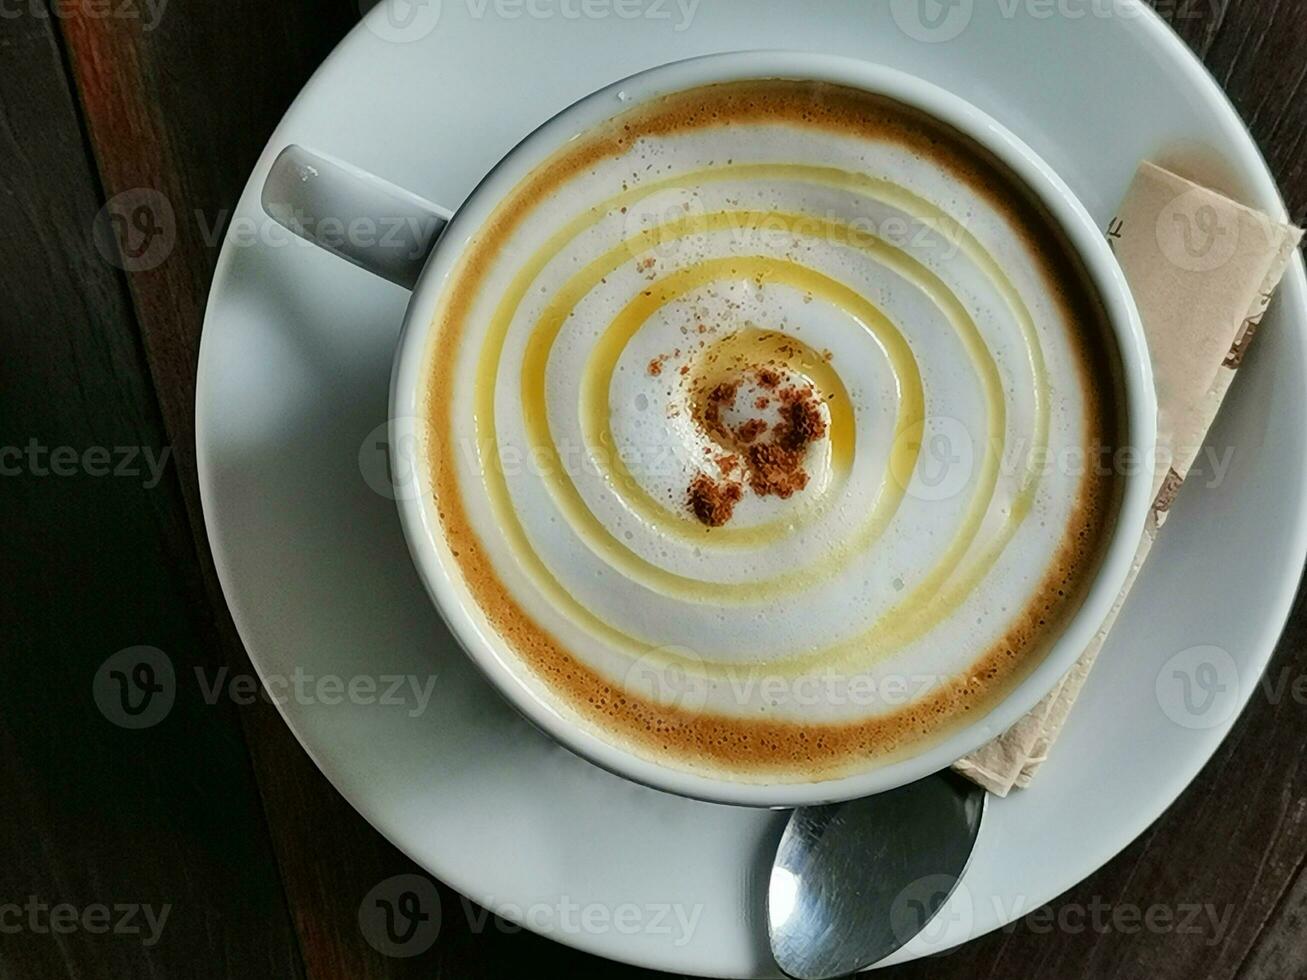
[294, 369]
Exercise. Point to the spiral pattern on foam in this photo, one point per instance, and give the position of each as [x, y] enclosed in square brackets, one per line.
[947, 368]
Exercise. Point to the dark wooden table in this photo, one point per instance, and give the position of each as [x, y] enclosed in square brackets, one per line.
[217, 814]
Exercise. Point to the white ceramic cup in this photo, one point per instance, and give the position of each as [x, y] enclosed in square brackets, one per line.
[417, 244]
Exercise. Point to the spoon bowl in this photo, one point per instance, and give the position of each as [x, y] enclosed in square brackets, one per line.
[853, 882]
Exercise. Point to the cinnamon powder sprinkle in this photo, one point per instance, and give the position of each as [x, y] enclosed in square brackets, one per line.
[713, 502]
[776, 470]
[801, 422]
[750, 430]
[771, 468]
[723, 394]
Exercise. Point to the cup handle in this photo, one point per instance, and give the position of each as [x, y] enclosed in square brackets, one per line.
[353, 214]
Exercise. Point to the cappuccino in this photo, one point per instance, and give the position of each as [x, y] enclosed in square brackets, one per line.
[772, 425]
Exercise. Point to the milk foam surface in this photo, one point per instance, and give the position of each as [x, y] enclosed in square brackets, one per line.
[920, 571]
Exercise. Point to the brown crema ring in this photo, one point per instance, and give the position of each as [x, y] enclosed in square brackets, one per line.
[782, 749]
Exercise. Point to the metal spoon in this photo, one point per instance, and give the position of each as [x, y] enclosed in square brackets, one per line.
[852, 882]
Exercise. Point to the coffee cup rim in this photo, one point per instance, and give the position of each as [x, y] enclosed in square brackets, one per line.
[467, 621]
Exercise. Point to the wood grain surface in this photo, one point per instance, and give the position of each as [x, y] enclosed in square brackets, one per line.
[216, 812]
[93, 563]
